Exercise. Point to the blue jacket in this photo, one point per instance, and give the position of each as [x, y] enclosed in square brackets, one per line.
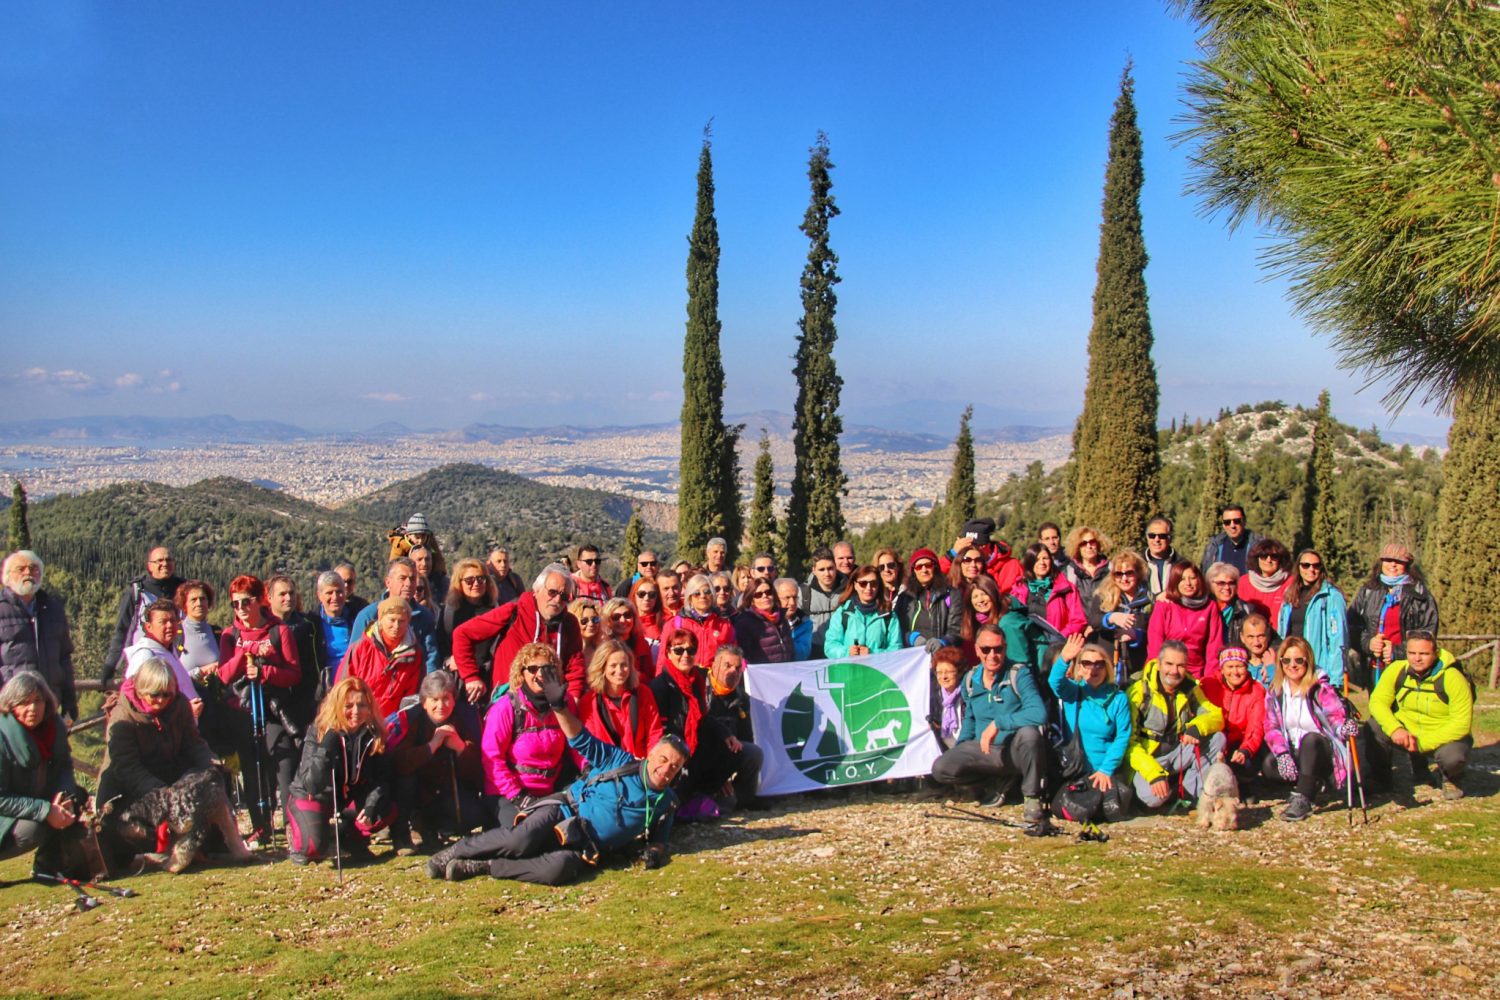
[621, 809]
[1012, 704]
[1326, 629]
[1102, 715]
[423, 625]
[850, 626]
[802, 636]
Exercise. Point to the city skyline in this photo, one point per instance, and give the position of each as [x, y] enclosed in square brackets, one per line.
[479, 213]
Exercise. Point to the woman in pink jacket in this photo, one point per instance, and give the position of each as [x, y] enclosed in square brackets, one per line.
[1185, 612]
[524, 752]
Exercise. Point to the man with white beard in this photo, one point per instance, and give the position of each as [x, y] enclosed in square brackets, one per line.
[34, 630]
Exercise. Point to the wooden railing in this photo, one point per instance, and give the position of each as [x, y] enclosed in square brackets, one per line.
[1486, 642]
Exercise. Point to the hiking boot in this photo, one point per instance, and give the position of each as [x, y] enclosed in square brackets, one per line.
[401, 841]
[437, 865]
[297, 858]
[991, 799]
[1034, 811]
[1452, 792]
[461, 868]
[1298, 807]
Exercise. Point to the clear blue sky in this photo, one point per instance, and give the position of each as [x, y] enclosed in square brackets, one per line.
[340, 214]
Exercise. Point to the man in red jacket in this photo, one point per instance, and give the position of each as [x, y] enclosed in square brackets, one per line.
[539, 615]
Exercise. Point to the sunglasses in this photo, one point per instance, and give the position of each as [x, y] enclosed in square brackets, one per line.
[990, 650]
[1232, 520]
[1310, 565]
[534, 668]
[924, 565]
[1123, 573]
[1398, 562]
[888, 567]
[683, 650]
[590, 620]
[241, 602]
[1089, 541]
[1159, 536]
[1221, 583]
[645, 593]
[866, 583]
[763, 569]
[588, 562]
[647, 563]
[1091, 664]
[471, 580]
[621, 616]
[699, 593]
[762, 593]
[723, 590]
[1297, 661]
[972, 559]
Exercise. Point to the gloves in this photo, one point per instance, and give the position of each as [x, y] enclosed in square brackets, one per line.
[932, 645]
[1286, 766]
[554, 690]
[1349, 728]
[655, 856]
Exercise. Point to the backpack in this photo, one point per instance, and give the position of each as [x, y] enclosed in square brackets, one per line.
[1439, 686]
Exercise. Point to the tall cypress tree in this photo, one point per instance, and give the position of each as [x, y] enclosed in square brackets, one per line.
[815, 515]
[1462, 565]
[634, 542]
[1319, 520]
[1117, 464]
[762, 501]
[20, 531]
[708, 483]
[960, 499]
[1213, 495]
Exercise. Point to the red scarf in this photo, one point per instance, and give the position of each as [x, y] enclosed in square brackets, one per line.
[44, 736]
[650, 625]
[692, 689]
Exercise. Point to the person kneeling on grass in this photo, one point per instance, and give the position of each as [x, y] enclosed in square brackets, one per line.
[1177, 729]
[1423, 705]
[623, 801]
[1001, 733]
[344, 777]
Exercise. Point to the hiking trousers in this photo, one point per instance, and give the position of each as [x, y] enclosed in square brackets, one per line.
[1377, 753]
[1023, 753]
[1185, 762]
[528, 851]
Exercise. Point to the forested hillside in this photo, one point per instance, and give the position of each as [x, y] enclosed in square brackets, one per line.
[1380, 491]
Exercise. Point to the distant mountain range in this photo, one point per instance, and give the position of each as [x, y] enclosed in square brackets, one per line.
[220, 428]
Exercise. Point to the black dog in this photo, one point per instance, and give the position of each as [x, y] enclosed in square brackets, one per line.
[192, 807]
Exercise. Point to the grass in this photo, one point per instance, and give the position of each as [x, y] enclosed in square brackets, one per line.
[867, 896]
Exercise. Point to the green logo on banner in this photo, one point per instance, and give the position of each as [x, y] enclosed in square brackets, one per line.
[846, 723]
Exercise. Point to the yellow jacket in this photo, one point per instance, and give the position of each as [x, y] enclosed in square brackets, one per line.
[1160, 723]
[1417, 707]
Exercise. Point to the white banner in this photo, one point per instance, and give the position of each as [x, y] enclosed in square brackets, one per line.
[824, 723]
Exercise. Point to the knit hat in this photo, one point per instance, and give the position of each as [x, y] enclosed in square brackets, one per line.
[391, 605]
[922, 554]
[417, 525]
[1233, 654]
[1395, 550]
[979, 529]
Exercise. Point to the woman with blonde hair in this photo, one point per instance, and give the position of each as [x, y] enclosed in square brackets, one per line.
[1307, 729]
[621, 624]
[473, 592]
[344, 777]
[1120, 611]
[590, 624]
[618, 708]
[523, 749]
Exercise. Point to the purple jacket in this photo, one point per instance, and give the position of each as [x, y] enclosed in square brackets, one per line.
[524, 763]
[763, 640]
[1328, 713]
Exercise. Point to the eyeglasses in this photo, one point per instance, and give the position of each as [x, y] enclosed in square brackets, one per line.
[1221, 583]
[554, 592]
[1091, 664]
[469, 581]
[1159, 536]
[159, 696]
[647, 563]
[1232, 520]
[241, 602]
[862, 584]
[1310, 565]
[990, 650]
[588, 562]
[972, 559]
[683, 650]
[160, 562]
[888, 567]
[1295, 661]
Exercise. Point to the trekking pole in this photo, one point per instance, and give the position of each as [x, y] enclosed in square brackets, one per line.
[458, 821]
[338, 821]
[84, 901]
[1356, 777]
[258, 737]
[112, 890]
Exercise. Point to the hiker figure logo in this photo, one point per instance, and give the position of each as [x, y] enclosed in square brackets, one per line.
[845, 723]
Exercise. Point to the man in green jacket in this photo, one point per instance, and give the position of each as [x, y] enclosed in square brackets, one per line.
[1423, 705]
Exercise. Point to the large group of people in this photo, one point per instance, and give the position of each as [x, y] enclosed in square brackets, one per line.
[526, 732]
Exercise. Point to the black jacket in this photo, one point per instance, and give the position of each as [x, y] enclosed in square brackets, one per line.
[763, 640]
[38, 640]
[732, 712]
[1419, 610]
[363, 774]
[929, 614]
[143, 590]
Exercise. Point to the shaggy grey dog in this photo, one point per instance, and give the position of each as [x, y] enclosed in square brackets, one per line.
[1219, 804]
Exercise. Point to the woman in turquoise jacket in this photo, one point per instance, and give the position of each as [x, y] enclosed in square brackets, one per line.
[1315, 610]
[863, 621]
[1091, 705]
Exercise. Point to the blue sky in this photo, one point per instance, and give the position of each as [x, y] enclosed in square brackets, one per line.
[339, 214]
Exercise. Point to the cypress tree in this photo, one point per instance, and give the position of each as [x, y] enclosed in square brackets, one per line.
[20, 531]
[762, 501]
[1461, 565]
[1117, 464]
[814, 515]
[1214, 493]
[634, 542]
[960, 499]
[708, 480]
[1319, 521]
